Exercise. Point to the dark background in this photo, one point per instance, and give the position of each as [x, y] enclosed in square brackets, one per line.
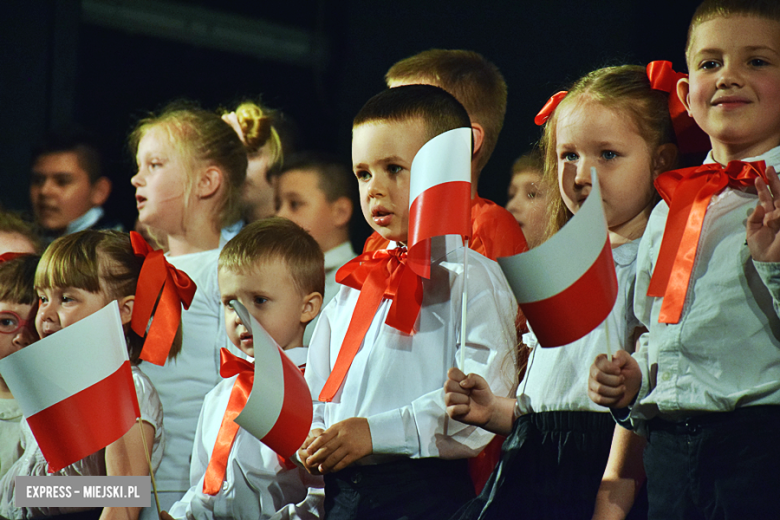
[64, 61]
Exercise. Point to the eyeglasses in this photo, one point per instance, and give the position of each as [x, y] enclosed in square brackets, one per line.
[10, 322]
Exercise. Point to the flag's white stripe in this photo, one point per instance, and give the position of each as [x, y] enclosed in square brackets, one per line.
[445, 158]
[264, 405]
[550, 268]
[67, 362]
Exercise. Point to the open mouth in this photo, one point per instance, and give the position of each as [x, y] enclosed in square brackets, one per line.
[139, 201]
[381, 216]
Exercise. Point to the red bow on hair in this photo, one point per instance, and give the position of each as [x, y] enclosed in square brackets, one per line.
[688, 192]
[158, 276]
[5, 257]
[377, 275]
[549, 107]
[690, 138]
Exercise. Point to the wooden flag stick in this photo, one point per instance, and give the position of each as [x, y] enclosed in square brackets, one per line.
[149, 462]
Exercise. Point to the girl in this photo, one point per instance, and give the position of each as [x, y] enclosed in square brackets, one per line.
[528, 197]
[78, 275]
[559, 441]
[191, 167]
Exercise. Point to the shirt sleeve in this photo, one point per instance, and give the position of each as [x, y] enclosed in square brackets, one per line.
[770, 275]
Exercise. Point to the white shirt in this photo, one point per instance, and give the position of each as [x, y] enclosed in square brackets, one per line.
[184, 382]
[255, 485]
[396, 380]
[33, 464]
[334, 259]
[10, 433]
[725, 351]
[557, 378]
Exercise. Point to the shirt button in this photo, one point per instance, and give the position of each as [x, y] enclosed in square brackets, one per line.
[225, 486]
[666, 376]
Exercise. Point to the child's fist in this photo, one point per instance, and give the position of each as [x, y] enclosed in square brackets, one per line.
[468, 398]
[614, 383]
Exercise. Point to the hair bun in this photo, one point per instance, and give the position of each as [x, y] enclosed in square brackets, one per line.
[256, 125]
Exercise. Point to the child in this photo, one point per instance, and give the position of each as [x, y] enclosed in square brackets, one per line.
[16, 235]
[274, 268]
[191, 166]
[554, 458]
[78, 275]
[381, 435]
[479, 86]
[528, 197]
[318, 193]
[705, 384]
[17, 330]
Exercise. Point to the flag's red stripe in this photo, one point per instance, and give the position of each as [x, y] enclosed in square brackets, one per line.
[578, 309]
[444, 209]
[294, 421]
[87, 421]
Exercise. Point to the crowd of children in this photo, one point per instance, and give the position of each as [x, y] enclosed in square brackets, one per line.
[667, 409]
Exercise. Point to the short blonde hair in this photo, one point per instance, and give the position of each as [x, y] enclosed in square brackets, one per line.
[277, 238]
[474, 81]
[12, 223]
[17, 280]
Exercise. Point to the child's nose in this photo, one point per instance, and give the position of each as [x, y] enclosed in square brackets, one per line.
[729, 75]
[376, 187]
[135, 180]
[582, 178]
[24, 338]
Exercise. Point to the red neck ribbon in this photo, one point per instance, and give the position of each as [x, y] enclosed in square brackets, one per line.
[158, 280]
[690, 138]
[688, 192]
[5, 257]
[377, 275]
[230, 365]
[549, 107]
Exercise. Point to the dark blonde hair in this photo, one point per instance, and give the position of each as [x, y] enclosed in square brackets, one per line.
[12, 223]
[624, 88]
[277, 238]
[474, 81]
[97, 261]
[258, 124]
[710, 9]
[203, 137]
[529, 161]
[17, 280]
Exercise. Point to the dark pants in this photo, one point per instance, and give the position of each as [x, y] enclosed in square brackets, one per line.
[425, 489]
[715, 466]
[551, 467]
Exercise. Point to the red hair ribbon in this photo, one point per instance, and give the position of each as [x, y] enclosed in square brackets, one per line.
[377, 275]
[549, 107]
[158, 280]
[5, 257]
[690, 138]
[688, 192]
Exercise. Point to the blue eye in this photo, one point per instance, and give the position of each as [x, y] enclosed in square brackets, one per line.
[708, 64]
[394, 168]
[608, 155]
[569, 156]
[259, 300]
[362, 175]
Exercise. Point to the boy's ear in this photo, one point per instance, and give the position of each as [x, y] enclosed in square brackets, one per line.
[341, 211]
[683, 89]
[100, 191]
[209, 182]
[312, 303]
[664, 158]
[478, 133]
[126, 304]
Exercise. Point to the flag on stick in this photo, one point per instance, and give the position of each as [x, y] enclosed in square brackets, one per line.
[279, 410]
[75, 387]
[567, 286]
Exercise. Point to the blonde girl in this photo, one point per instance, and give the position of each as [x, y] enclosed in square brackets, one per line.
[78, 275]
[559, 441]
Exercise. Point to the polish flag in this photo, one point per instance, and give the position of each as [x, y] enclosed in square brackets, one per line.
[567, 286]
[75, 387]
[439, 194]
[279, 409]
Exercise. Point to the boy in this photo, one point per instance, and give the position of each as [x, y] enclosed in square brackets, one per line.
[380, 434]
[274, 268]
[705, 384]
[479, 86]
[67, 187]
[318, 193]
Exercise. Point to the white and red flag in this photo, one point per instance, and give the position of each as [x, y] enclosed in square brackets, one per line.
[439, 194]
[279, 410]
[75, 387]
[567, 286]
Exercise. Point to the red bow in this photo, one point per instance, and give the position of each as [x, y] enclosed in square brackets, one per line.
[230, 365]
[690, 138]
[158, 276]
[549, 107]
[688, 192]
[377, 275]
[5, 257]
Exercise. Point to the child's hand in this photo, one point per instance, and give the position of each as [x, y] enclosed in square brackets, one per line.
[468, 398]
[340, 445]
[303, 454]
[764, 223]
[614, 383]
[165, 516]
